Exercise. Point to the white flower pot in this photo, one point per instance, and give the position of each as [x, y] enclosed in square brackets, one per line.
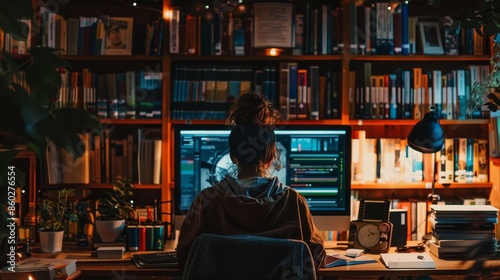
[51, 241]
[109, 231]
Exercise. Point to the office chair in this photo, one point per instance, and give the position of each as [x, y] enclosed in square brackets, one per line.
[242, 257]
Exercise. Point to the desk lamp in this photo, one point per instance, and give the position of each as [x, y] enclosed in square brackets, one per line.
[427, 137]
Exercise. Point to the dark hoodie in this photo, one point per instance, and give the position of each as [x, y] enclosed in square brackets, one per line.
[267, 208]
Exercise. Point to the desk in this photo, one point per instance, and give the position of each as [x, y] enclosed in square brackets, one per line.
[443, 267]
[124, 269]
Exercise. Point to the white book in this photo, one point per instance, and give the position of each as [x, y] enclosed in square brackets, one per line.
[407, 260]
[174, 30]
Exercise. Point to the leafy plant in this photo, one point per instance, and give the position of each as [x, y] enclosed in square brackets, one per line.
[30, 115]
[54, 215]
[485, 20]
[117, 206]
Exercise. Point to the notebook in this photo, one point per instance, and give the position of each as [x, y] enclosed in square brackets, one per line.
[407, 260]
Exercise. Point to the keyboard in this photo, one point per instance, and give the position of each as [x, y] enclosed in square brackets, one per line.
[157, 259]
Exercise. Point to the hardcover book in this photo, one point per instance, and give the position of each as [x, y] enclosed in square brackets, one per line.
[335, 258]
[40, 269]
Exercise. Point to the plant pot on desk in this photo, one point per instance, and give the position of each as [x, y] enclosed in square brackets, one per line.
[109, 230]
[51, 241]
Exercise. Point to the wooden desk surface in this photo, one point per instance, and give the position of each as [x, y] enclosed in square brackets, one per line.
[119, 269]
[443, 267]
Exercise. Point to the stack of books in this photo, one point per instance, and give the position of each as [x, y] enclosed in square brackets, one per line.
[40, 269]
[463, 231]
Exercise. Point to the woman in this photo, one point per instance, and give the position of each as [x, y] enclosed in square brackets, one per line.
[251, 202]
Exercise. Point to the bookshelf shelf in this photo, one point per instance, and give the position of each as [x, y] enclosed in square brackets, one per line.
[255, 58]
[362, 122]
[112, 58]
[99, 186]
[132, 121]
[420, 186]
[282, 122]
[421, 58]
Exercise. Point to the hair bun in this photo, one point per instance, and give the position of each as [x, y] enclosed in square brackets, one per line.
[252, 109]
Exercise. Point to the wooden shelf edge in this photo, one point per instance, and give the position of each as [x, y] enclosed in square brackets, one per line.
[420, 57]
[112, 57]
[131, 121]
[282, 122]
[256, 58]
[98, 186]
[362, 122]
[420, 185]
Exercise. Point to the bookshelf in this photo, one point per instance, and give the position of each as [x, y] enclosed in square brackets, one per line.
[381, 64]
[342, 63]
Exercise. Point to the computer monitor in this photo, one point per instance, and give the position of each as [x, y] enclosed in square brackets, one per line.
[316, 162]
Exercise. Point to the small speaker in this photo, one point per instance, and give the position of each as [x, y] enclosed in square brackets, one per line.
[399, 220]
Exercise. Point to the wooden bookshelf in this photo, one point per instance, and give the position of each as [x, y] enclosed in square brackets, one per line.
[342, 63]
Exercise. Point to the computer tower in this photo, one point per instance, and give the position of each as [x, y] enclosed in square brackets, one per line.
[399, 220]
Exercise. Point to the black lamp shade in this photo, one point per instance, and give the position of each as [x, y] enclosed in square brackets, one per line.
[427, 135]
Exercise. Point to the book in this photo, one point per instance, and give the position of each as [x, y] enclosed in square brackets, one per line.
[462, 252]
[336, 258]
[110, 252]
[407, 260]
[40, 269]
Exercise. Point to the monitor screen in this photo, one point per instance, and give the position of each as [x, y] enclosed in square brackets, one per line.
[315, 162]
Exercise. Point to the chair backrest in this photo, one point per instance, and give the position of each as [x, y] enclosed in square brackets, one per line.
[248, 257]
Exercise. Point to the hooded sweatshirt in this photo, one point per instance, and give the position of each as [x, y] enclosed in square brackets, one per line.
[257, 206]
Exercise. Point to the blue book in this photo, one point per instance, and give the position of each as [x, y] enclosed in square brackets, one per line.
[405, 28]
[293, 88]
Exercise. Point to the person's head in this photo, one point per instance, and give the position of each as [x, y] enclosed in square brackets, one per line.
[114, 36]
[252, 143]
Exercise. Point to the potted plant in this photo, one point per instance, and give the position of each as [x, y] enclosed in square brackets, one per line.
[53, 219]
[484, 20]
[33, 120]
[114, 210]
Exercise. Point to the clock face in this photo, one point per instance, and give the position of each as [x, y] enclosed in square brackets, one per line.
[368, 235]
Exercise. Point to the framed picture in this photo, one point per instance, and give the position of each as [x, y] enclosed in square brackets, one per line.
[118, 39]
[273, 25]
[430, 34]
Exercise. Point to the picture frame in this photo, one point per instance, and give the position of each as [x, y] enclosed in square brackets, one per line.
[272, 25]
[118, 36]
[430, 34]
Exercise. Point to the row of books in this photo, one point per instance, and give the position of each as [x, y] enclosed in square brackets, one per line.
[384, 28]
[463, 232]
[122, 95]
[108, 157]
[462, 160]
[409, 93]
[104, 35]
[316, 28]
[207, 92]
[300, 93]
[113, 95]
[307, 28]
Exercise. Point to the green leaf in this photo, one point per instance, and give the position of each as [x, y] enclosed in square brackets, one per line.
[454, 28]
[82, 121]
[46, 56]
[43, 94]
[39, 74]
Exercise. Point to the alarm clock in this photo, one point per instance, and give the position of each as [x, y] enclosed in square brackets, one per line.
[371, 236]
[372, 231]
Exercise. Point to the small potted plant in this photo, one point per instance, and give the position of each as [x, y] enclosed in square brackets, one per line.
[53, 219]
[114, 210]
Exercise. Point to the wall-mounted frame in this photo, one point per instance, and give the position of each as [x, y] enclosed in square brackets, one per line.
[430, 34]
